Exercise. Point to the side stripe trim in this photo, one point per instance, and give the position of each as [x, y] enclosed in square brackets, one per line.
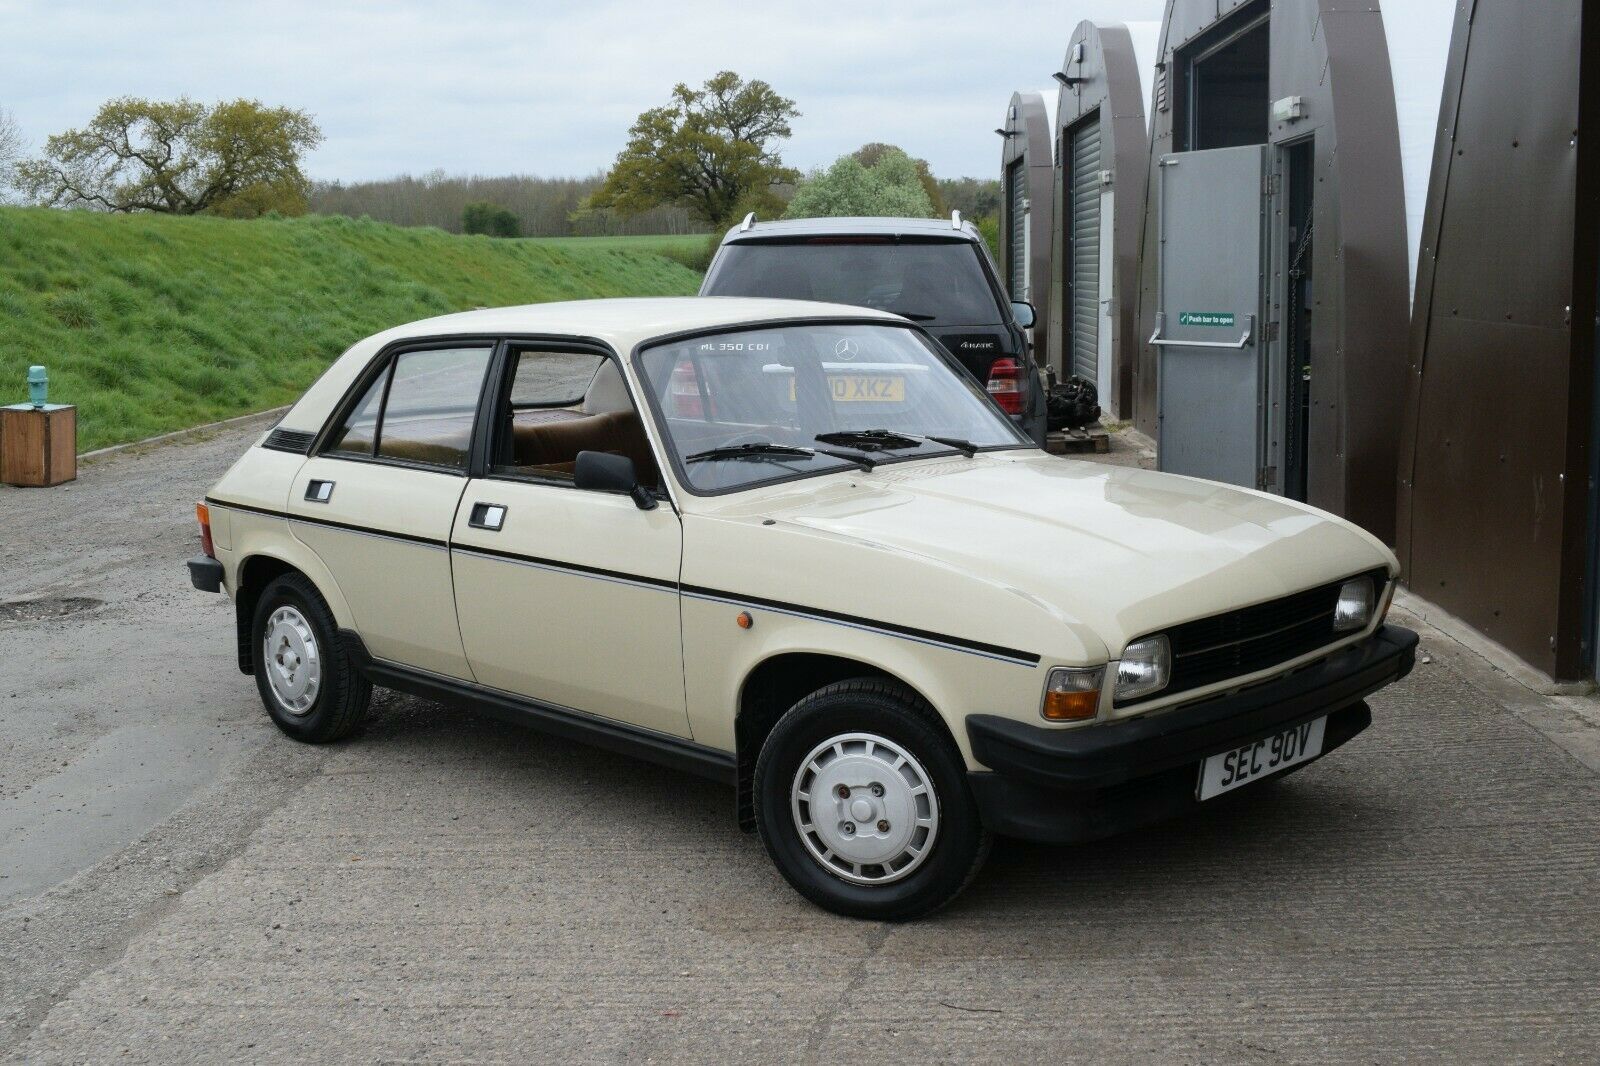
[347, 527]
[795, 610]
[557, 566]
[922, 636]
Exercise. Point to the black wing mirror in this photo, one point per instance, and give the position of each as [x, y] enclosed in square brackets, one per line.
[611, 473]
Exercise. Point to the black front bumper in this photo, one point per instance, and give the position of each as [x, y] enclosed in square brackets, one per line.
[1066, 785]
[205, 573]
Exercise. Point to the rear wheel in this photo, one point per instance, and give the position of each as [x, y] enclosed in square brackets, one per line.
[311, 689]
[862, 802]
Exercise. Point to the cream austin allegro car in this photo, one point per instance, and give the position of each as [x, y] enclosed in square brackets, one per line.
[791, 546]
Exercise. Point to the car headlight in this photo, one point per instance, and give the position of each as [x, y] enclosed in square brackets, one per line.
[1354, 609]
[1072, 693]
[1145, 668]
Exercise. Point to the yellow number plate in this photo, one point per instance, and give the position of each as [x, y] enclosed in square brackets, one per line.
[864, 388]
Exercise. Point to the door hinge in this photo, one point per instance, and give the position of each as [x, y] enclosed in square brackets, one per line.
[1266, 477]
[1270, 334]
[1269, 185]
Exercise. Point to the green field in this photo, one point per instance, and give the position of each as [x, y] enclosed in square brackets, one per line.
[152, 323]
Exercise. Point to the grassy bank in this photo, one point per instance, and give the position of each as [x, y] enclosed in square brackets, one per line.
[151, 324]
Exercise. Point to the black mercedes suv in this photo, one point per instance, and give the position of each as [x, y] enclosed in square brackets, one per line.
[936, 272]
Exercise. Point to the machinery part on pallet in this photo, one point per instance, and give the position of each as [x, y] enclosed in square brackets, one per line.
[1073, 404]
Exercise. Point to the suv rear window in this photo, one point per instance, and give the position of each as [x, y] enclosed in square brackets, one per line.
[936, 283]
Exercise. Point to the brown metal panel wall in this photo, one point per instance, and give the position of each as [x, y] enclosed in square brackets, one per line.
[1110, 86]
[1359, 366]
[1494, 490]
[1334, 55]
[1031, 145]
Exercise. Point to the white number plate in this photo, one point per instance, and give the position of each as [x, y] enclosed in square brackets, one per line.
[1244, 764]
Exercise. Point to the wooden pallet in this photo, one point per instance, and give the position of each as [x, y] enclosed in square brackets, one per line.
[1092, 438]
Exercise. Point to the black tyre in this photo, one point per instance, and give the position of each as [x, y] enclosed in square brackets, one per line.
[861, 800]
[307, 681]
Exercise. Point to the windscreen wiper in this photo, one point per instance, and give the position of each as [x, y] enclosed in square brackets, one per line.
[752, 450]
[769, 450]
[889, 440]
[869, 439]
[915, 316]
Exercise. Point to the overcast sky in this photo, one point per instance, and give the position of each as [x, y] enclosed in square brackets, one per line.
[545, 87]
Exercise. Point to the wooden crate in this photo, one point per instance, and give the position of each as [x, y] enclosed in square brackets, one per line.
[38, 446]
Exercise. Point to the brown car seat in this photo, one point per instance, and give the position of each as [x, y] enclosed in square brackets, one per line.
[608, 423]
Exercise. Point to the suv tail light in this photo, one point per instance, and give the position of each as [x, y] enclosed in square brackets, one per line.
[1005, 385]
[203, 514]
[685, 392]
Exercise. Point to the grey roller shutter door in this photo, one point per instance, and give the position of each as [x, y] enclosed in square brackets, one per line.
[1085, 162]
[1017, 239]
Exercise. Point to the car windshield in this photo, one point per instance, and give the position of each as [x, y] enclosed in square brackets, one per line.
[757, 405]
[937, 283]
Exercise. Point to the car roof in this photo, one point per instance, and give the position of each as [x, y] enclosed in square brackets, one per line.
[623, 324]
[790, 228]
[626, 322]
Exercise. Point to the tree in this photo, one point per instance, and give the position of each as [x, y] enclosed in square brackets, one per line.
[973, 197]
[710, 150]
[490, 219]
[10, 148]
[239, 159]
[868, 155]
[890, 187]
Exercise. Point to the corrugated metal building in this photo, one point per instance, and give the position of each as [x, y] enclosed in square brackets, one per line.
[1274, 265]
[1026, 216]
[1102, 156]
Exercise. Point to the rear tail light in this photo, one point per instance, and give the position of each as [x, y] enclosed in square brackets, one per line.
[1005, 385]
[203, 514]
[685, 392]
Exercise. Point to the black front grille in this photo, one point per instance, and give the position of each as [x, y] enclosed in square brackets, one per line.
[289, 440]
[1253, 638]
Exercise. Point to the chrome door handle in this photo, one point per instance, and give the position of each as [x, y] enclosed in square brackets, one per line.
[1161, 325]
[319, 491]
[490, 516]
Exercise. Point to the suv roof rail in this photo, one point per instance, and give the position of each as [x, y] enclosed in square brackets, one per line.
[955, 220]
[749, 220]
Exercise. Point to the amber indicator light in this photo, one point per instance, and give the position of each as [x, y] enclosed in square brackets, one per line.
[1071, 706]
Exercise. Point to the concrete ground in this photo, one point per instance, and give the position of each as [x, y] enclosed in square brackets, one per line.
[178, 883]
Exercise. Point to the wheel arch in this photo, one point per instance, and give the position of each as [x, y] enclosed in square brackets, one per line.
[776, 684]
[257, 569]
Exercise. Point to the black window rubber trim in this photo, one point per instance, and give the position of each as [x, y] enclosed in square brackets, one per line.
[993, 651]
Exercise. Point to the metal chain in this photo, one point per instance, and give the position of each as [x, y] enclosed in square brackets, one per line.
[1300, 253]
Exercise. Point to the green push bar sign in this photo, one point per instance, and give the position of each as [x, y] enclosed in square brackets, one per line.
[1218, 319]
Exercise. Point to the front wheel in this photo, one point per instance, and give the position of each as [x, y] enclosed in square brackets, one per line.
[862, 803]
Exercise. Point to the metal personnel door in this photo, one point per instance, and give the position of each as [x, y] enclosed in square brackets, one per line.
[1085, 244]
[1017, 239]
[1210, 380]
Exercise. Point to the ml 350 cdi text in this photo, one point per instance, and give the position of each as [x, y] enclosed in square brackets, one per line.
[795, 547]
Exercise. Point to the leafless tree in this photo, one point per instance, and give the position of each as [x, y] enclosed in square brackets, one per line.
[11, 145]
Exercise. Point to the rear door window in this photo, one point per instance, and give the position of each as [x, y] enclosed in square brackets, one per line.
[419, 409]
